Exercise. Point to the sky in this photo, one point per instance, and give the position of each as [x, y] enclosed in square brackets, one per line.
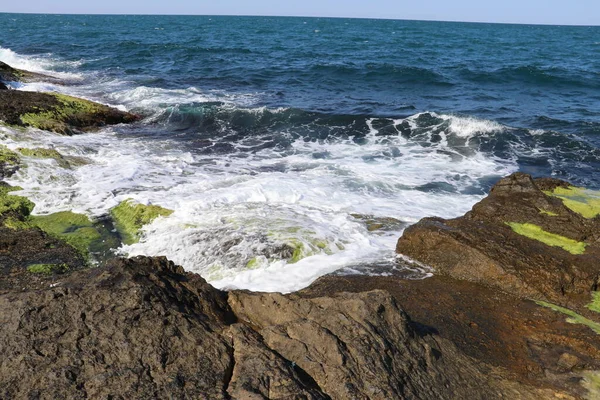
[560, 12]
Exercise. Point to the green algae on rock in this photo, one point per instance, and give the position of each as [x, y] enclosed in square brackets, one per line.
[48, 269]
[551, 239]
[75, 229]
[595, 304]
[57, 112]
[130, 217]
[10, 74]
[11, 203]
[9, 162]
[581, 200]
[42, 153]
[574, 318]
[548, 213]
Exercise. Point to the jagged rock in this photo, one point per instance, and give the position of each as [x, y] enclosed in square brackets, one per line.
[261, 373]
[482, 246]
[57, 112]
[142, 328]
[3, 86]
[517, 338]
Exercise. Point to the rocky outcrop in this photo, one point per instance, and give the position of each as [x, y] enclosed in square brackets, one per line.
[57, 112]
[142, 328]
[523, 238]
[52, 111]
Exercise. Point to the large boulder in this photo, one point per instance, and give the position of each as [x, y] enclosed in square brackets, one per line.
[142, 328]
[533, 238]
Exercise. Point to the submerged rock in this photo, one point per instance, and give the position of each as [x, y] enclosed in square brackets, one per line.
[130, 217]
[9, 162]
[57, 112]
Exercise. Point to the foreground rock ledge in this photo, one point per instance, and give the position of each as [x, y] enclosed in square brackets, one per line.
[142, 328]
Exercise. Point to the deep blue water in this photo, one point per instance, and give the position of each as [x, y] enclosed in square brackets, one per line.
[332, 72]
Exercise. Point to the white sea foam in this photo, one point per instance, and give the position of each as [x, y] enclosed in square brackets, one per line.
[251, 206]
[45, 64]
[238, 220]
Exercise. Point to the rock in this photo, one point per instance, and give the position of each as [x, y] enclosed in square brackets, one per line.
[30, 257]
[521, 239]
[10, 74]
[3, 86]
[516, 338]
[261, 373]
[142, 328]
[10, 162]
[57, 112]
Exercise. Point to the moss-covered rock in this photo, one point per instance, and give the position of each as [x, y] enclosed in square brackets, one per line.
[75, 229]
[48, 269]
[42, 153]
[17, 205]
[10, 74]
[9, 162]
[583, 201]
[595, 304]
[130, 217]
[537, 233]
[574, 318]
[57, 112]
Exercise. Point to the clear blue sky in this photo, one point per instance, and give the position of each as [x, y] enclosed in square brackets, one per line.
[579, 12]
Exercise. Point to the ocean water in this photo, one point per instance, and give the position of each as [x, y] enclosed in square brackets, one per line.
[294, 147]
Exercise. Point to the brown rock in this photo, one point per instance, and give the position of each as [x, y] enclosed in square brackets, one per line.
[518, 339]
[481, 247]
[142, 328]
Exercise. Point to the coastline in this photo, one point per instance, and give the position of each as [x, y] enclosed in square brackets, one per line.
[473, 330]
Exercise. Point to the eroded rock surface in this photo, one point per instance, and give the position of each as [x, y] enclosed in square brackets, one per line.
[483, 247]
[142, 328]
[10, 74]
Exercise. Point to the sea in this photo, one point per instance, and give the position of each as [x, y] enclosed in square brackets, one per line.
[290, 148]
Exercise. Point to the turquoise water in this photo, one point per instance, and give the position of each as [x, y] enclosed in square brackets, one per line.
[260, 131]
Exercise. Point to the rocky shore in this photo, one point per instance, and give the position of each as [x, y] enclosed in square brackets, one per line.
[512, 310]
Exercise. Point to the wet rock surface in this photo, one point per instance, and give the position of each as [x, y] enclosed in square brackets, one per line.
[10, 74]
[52, 111]
[57, 113]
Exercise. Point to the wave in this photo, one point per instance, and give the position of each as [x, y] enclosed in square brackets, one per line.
[382, 72]
[43, 64]
[534, 75]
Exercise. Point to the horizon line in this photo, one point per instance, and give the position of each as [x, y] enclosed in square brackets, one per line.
[301, 16]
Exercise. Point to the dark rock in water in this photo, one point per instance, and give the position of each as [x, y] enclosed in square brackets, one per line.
[526, 238]
[3, 86]
[142, 328]
[57, 112]
[10, 74]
